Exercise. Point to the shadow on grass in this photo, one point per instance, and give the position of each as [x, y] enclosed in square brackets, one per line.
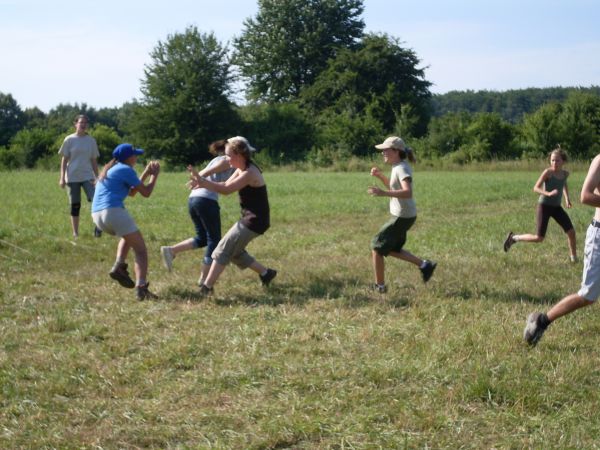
[340, 289]
[502, 295]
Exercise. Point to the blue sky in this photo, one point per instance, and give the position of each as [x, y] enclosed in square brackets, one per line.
[94, 52]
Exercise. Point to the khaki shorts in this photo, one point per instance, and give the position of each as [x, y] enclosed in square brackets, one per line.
[590, 281]
[232, 247]
[115, 221]
[74, 191]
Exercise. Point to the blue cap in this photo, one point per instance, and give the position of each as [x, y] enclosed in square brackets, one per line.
[124, 151]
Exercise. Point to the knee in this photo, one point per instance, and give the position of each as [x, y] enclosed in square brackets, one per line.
[75, 207]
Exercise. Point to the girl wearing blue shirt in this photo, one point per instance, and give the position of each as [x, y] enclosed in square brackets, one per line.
[118, 180]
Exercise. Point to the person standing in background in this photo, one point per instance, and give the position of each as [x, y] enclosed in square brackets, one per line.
[79, 169]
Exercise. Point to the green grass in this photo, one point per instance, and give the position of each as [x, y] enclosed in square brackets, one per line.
[316, 361]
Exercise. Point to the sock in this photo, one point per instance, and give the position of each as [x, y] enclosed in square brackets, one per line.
[140, 282]
[423, 264]
[264, 273]
[382, 285]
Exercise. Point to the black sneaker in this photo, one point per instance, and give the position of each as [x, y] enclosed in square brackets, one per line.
[427, 271]
[509, 241]
[142, 292]
[119, 273]
[534, 328]
[268, 277]
[97, 232]
[205, 291]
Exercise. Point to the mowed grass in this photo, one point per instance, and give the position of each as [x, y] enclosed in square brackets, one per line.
[315, 361]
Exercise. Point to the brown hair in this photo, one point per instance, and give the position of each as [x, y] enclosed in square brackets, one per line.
[560, 152]
[239, 147]
[107, 166]
[81, 116]
[217, 147]
[407, 153]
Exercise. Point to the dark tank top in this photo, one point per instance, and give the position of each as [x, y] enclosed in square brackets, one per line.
[255, 208]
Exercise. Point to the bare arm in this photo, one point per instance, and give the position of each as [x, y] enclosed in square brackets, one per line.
[237, 181]
[566, 192]
[221, 166]
[589, 192]
[152, 170]
[63, 172]
[539, 185]
[405, 190]
[95, 167]
[377, 173]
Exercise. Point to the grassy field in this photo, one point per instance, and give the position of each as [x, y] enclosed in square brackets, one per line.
[316, 361]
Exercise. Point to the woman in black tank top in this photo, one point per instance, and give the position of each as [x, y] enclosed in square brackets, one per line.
[255, 219]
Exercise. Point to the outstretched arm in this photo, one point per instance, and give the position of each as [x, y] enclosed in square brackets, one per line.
[589, 191]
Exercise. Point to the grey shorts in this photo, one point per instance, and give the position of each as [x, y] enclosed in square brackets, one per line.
[590, 282]
[74, 191]
[115, 221]
[232, 247]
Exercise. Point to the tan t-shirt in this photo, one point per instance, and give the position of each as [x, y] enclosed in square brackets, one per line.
[79, 151]
[401, 207]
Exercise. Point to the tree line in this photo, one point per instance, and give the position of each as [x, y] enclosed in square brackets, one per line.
[317, 88]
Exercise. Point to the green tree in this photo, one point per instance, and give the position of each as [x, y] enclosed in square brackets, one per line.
[281, 130]
[33, 144]
[288, 43]
[447, 134]
[540, 131]
[492, 136]
[185, 104]
[380, 77]
[107, 139]
[11, 118]
[580, 125]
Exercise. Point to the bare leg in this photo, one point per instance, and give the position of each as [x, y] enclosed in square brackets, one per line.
[75, 225]
[378, 267]
[183, 246]
[204, 273]
[257, 267]
[528, 238]
[407, 256]
[122, 250]
[572, 242]
[567, 305]
[135, 240]
[214, 273]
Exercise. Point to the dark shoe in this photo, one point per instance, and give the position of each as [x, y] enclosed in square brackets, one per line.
[268, 277]
[119, 273]
[97, 232]
[205, 291]
[380, 289]
[509, 241]
[142, 292]
[427, 271]
[534, 328]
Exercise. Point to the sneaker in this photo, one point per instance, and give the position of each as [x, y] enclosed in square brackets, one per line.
[167, 257]
[427, 271]
[119, 273]
[142, 292]
[534, 329]
[205, 291]
[268, 277]
[382, 289]
[574, 259]
[509, 241]
[97, 232]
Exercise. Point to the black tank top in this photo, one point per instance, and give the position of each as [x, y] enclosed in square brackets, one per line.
[255, 208]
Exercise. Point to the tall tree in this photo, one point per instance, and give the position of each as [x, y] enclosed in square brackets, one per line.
[380, 82]
[11, 118]
[185, 104]
[288, 43]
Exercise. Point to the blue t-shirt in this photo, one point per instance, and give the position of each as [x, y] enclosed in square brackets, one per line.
[112, 191]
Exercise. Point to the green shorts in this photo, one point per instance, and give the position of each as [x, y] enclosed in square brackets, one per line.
[392, 236]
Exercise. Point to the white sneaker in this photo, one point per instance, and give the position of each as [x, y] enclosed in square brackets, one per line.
[167, 257]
